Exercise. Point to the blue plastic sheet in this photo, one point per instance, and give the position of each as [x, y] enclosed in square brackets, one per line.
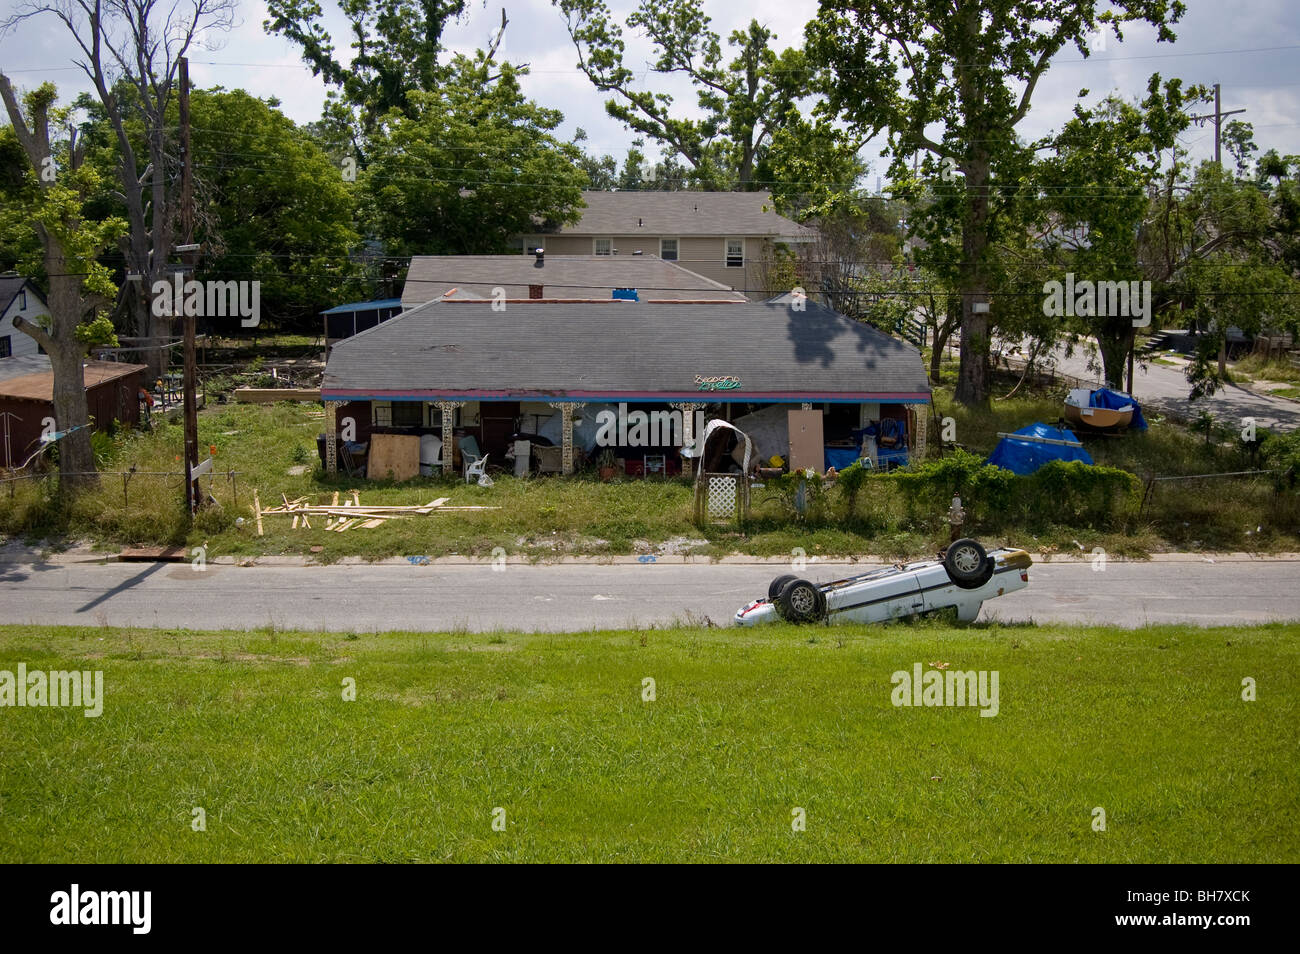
[1025, 457]
[1114, 401]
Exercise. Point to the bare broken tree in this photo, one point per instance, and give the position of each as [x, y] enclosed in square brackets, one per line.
[138, 43]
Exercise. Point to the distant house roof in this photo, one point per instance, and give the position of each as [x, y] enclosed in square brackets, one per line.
[561, 276]
[10, 286]
[684, 213]
[625, 351]
[31, 378]
[377, 305]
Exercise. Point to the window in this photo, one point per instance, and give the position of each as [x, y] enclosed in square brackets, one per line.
[6, 346]
[408, 414]
[735, 253]
[668, 250]
[22, 299]
[603, 246]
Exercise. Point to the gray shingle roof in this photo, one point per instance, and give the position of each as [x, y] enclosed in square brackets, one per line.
[562, 276]
[624, 351]
[684, 213]
[10, 286]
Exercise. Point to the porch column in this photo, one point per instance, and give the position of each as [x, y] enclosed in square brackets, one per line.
[566, 410]
[922, 429]
[332, 437]
[448, 409]
[687, 409]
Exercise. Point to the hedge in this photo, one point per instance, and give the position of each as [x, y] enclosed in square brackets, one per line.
[1060, 492]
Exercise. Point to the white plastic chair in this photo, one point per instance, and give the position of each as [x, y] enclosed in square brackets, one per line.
[476, 469]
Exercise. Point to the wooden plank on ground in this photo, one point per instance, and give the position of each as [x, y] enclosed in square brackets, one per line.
[152, 555]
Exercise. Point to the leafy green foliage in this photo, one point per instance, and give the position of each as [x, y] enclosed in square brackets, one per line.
[274, 207]
[904, 67]
[747, 129]
[476, 164]
[395, 46]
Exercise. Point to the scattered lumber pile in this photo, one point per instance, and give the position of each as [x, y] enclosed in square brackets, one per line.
[340, 518]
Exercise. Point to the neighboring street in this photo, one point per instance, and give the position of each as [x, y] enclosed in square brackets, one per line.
[1165, 387]
[572, 597]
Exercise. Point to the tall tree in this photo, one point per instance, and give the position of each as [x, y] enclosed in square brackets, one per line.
[1099, 181]
[395, 48]
[273, 207]
[57, 184]
[475, 164]
[902, 67]
[134, 47]
[748, 105]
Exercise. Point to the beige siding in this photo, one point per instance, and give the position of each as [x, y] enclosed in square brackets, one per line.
[704, 255]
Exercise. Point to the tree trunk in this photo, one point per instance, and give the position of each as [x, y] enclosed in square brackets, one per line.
[71, 411]
[972, 287]
[1114, 348]
[942, 333]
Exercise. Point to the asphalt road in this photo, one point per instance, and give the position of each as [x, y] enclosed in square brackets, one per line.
[570, 597]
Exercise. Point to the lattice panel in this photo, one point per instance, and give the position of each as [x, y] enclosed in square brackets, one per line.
[722, 498]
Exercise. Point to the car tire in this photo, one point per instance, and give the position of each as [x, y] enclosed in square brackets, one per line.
[801, 602]
[968, 565]
[776, 586]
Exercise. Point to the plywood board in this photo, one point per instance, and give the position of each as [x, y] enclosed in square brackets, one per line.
[807, 447]
[398, 453]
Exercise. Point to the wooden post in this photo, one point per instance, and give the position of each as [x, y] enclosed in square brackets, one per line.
[922, 432]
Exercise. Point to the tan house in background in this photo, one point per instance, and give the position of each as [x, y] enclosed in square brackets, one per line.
[725, 236]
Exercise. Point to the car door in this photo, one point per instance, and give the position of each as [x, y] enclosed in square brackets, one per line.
[881, 598]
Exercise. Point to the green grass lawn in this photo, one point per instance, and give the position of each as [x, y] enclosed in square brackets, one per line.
[746, 726]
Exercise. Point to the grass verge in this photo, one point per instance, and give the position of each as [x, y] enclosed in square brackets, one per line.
[745, 727]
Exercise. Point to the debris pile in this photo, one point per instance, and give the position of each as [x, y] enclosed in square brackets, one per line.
[349, 514]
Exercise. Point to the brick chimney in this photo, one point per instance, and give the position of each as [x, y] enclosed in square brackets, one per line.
[534, 291]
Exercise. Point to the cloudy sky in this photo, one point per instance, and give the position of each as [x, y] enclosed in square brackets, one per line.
[1251, 47]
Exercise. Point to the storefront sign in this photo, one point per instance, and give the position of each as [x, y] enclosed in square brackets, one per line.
[722, 382]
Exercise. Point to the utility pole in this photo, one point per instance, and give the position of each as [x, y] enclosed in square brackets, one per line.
[188, 250]
[1217, 116]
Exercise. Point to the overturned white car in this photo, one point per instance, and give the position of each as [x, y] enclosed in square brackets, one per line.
[962, 578]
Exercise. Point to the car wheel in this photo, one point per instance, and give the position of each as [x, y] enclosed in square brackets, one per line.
[776, 586]
[967, 564]
[801, 602]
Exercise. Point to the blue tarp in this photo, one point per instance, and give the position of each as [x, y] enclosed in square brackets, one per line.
[1025, 457]
[1114, 400]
